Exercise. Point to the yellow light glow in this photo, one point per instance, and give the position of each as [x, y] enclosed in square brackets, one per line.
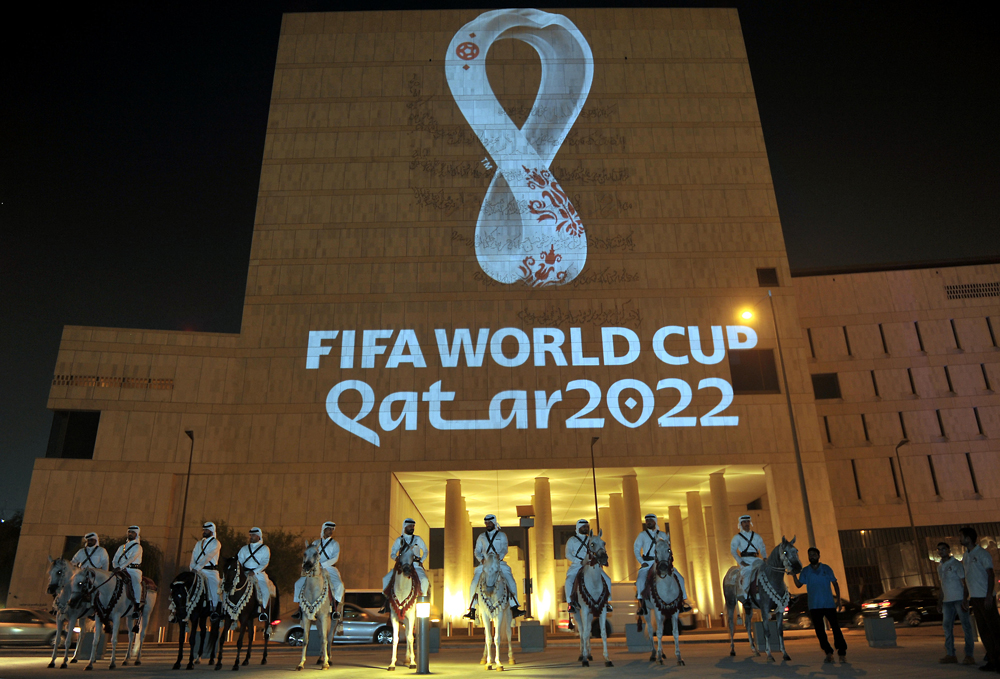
[746, 315]
[423, 609]
[454, 604]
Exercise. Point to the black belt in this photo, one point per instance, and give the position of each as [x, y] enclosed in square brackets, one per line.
[134, 567]
[210, 567]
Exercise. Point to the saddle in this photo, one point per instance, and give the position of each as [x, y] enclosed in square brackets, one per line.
[649, 592]
[580, 592]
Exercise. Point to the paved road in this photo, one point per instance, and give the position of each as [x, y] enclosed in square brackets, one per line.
[916, 656]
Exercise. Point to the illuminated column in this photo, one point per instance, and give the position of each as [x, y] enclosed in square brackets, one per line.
[713, 562]
[633, 519]
[533, 574]
[697, 544]
[454, 534]
[543, 553]
[619, 539]
[468, 551]
[678, 544]
[724, 530]
[604, 514]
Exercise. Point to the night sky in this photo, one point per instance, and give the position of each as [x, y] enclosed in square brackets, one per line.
[132, 142]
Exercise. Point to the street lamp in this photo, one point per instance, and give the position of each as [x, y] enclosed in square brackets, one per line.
[423, 613]
[909, 513]
[747, 315]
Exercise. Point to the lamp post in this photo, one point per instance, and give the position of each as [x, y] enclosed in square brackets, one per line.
[593, 472]
[747, 315]
[184, 506]
[909, 514]
[423, 613]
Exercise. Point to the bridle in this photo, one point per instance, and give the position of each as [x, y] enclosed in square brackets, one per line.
[594, 557]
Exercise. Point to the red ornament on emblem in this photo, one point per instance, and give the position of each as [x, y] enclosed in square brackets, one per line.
[467, 51]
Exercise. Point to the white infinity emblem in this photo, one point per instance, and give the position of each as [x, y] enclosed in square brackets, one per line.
[528, 229]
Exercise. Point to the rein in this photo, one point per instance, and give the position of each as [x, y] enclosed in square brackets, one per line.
[580, 588]
[650, 591]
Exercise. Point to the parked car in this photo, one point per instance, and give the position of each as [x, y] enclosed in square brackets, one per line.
[24, 627]
[797, 614]
[908, 605]
[368, 599]
[360, 627]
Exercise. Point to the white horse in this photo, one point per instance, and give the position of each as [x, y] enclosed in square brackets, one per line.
[767, 593]
[592, 595]
[494, 607]
[663, 599]
[316, 605]
[61, 573]
[404, 591]
[106, 592]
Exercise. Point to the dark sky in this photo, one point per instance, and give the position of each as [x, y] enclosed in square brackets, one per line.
[132, 142]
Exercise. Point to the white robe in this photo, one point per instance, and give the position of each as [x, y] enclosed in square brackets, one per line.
[419, 549]
[91, 557]
[255, 558]
[129, 557]
[499, 547]
[743, 542]
[644, 549]
[576, 552]
[329, 554]
[206, 553]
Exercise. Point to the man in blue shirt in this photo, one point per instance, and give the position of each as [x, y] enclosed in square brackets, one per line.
[817, 578]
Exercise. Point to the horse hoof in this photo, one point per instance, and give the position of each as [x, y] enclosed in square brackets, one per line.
[298, 668]
[499, 668]
[137, 662]
[73, 661]
[177, 666]
[770, 658]
[52, 664]
[63, 666]
[189, 667]
[580, 658]
[489, 667]
[413, 666]
[218, 667]
[112, 666]
[608, 663]
[125, 663]
[391, 669]
[586, 664]
[88, 668]
[661, 661]
[590, 657]
[326, 666]
[787, 657]
[652, 657]
[732, 652]
[482, 661]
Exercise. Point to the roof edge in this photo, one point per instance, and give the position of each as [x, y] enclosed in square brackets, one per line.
[895, 266]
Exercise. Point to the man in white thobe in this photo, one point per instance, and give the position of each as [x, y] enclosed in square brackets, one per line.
[644, 549]
[747, 547]
[92, 555]
[493, 540]
[128, 559]
[420, 552]
[329, 553]
[576, 553]
[205, 563]
[255, 556]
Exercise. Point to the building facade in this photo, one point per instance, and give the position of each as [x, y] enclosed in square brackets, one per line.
[489, 246]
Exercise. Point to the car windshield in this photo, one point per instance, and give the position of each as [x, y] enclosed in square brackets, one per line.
[893, 593]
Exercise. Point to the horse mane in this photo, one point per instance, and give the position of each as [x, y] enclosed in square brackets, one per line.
[183, 578]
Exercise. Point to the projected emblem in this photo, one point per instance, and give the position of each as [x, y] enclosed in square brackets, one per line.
[528, 229]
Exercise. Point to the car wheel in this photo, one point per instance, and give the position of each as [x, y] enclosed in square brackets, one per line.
[296, 637]
[859, 620]
[383, 636]
[912, 618]
[803, 622]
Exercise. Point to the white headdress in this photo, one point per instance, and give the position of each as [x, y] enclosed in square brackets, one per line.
[256, 531]
[580, 523]
[745, 517]
[493, 518]
[209, 526]
[136, 529]
[328, 524]
[650, 516]
[408, 522]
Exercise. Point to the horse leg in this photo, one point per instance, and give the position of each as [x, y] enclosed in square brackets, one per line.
[306, 625]
[251, 633]
[226, 623]
[410, 618]
[72, 623]
[676, 620]
[747, 616]
[579, 628]
[604, 637]
[731, 623]
[239, 645]
[267, 637]
[81, 622]
[781, 635]
[98, 625]
[509, 629]
[395, 639]
[180, 645]
[114, 640]
[485, 660]
[55, 646]
[765, 617]
[497, 637]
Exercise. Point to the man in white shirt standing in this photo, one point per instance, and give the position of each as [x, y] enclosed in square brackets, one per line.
[954, 601]
[980, 579]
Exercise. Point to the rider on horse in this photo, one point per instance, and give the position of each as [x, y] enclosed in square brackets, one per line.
[576, 554]
[205, 563]
[645, 553]
[329, 553]
[419, 549]
[127, 560]
[255, 556]
[92, 555]
[747, 547]
[493, 540]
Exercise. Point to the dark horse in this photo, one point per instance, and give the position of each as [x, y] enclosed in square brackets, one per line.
[189, 602]
[239, 605]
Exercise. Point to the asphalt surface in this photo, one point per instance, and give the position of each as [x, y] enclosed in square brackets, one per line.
[917, 655]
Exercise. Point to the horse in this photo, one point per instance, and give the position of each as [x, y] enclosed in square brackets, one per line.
[190, 604]
[592, 595]
[239, 605]
[494, 608]
[771, 594]
[663, 599]
[61, 573]
[106, 592]
[316, 604]
[404, 588]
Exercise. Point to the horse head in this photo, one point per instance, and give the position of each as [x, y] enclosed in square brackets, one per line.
[491, 572]
[232, 574]
[664, 558]
[597, 548]
[405, 559]
[790, 556]
[59, 572]
[310, 559]
[82, 586]
[179, 593]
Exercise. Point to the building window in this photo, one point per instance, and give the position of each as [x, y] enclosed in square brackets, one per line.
[986, 377]
[954, 331]
[857, 486]
[766, 277]
[979, 422]
[71, 545]
[826, 426]
[989, 326]
[875, 385]
[73, 434]
[947, 376]
[847, 341]
[895, 481]
[753, 371]
[812, 349]
[826, 385]
[930, 464]
[972, 473]
[913, 385]
[864, 426]
[902, 426]
[940, 424]
[881, 333]
[920, 338]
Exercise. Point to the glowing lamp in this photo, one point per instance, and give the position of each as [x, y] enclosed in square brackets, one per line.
[423, 609]
[746, 315]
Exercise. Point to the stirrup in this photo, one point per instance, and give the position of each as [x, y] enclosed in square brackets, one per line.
[471, 615]
[573, 608]
[262, 617]
[685, 606]
[516, 611]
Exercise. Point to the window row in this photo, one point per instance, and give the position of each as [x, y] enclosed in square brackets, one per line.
[937, 336]
[968, 379]
[919, 426]
[960, 476]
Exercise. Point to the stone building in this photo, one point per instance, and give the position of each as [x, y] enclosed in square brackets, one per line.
[464, 272]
